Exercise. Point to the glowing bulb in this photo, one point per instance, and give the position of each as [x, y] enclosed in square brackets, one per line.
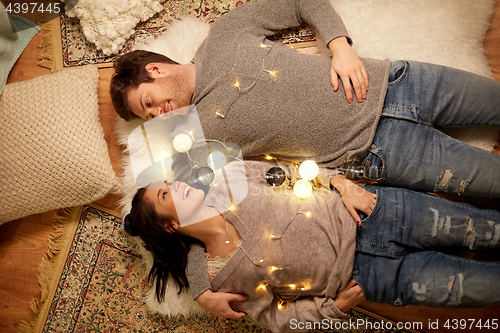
[271, 73]
[273, 268]
[308, 170]
[308, 214]
[302, 188]
[269, 157]
[306, 284]
[216, 160]
[280, 305]
[236, 84]
[261, 287]
[182, 143]
[292, 286]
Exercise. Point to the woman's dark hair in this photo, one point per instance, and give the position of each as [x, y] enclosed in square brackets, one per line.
[130, 72]
[170, 250]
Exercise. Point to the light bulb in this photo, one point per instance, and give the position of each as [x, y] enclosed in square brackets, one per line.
[308, 170]
[182, 143]
[302, 188]
[216, 160]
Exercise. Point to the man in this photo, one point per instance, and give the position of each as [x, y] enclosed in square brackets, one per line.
[269, 99]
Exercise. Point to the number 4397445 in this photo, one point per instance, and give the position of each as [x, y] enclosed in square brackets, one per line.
[463, 324]
[33, 7]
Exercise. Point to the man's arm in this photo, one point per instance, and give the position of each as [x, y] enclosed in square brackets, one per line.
[350, 69]
[266, 17]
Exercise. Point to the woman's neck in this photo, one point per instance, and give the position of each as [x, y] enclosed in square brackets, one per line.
[218, 240]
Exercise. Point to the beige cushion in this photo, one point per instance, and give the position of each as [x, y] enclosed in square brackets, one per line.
[52, 148]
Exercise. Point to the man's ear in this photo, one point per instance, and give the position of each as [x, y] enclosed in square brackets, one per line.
[155, 70]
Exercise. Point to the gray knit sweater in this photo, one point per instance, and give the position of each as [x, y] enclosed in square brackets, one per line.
[313, 253]
[294, 114]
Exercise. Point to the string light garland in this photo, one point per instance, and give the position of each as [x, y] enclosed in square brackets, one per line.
[276, 176]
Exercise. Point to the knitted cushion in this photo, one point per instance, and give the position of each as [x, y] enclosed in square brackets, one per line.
[109, 23]
[52, 148]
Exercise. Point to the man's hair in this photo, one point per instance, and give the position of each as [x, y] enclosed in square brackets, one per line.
[130, 72]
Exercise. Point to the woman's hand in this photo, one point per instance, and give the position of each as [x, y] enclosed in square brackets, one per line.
[354, 197]
[351, 295]
[218, 303]
[346, 64]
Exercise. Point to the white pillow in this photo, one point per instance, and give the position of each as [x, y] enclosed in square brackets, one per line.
[52, 148]
[109, 23]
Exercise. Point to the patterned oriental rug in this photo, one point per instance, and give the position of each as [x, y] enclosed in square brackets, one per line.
[66, 46]
[92, 280]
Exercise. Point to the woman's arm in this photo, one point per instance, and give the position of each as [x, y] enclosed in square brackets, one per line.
[354, 197]
[216, 303]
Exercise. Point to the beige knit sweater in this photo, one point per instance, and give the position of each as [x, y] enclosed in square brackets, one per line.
[307, 261]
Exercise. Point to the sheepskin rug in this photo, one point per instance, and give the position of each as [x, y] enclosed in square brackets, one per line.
[446, 32]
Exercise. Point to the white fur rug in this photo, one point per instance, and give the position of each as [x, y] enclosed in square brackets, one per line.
[447, 32]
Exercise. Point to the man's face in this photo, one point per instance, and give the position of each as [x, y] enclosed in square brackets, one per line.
[170, 90]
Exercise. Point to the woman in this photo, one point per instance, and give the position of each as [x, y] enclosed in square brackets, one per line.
[306, 260]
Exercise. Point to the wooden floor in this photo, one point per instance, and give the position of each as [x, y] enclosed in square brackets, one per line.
[23, 242]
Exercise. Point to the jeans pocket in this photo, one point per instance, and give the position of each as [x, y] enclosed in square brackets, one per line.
[366, 218]
[398, 72]
[374, 165]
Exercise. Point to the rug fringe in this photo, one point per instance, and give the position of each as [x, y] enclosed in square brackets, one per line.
[46, 58]
[48, 265]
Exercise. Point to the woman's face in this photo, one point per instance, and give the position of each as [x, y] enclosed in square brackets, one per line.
[178, 201]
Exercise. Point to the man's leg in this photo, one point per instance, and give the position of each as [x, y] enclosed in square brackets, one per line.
[408, 151]
[441, 96]
[419, 157]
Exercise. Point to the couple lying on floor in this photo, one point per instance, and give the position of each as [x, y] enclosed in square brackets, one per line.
[307, 260]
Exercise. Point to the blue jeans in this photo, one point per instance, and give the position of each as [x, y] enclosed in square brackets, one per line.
[398, 259]
[408, 151]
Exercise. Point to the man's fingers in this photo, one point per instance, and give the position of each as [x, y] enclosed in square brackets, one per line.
[357, 89]
[365, 77]
[362, 81]
[335, 80]
[346, 81]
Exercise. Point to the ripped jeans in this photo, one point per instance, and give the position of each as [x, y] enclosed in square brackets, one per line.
[408, 151]
[398, 259]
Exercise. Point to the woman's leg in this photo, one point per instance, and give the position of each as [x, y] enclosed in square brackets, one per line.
[408, 151]
[427, 278]
[404, 221]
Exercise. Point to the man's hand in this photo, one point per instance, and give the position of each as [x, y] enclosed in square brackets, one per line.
[346, 64]
[354, 197]
[351, 295]
[218, 303]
